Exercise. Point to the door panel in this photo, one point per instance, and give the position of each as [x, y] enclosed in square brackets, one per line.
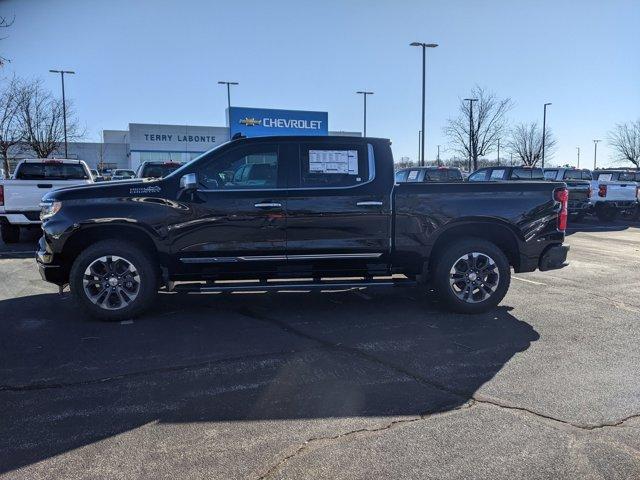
[349, 218]
[238, 215]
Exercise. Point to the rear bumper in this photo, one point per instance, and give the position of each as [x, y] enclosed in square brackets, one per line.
[553, 258]
[22, 218]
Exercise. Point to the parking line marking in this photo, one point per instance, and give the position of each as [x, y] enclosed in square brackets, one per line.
[528, 281]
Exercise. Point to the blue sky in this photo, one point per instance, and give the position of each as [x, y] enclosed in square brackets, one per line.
[159, 61]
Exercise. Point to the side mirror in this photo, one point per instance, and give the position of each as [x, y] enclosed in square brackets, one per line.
[189, 181]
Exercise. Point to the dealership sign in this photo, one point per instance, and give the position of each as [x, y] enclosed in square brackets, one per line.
[175, 138]
[261, 122]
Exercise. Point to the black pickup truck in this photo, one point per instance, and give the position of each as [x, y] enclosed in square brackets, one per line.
[579, 185]
[321, 212]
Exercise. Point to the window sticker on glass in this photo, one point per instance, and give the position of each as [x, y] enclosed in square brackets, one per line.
[334, 161]
[413, 174]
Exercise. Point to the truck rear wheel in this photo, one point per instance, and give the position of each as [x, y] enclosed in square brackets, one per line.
[606, 213]
[10, 233]
[471, 276]
[114, 280]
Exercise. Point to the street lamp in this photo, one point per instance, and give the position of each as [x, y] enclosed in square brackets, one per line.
[578, 148]
[424, 60]
[419, 143]
[438, 158]
[544, 129]
[470, 100]
[364, 95]
[228, 84]
[595, 152]
[64, 107]
[498, 151]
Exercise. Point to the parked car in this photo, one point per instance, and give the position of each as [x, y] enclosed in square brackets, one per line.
[579, 185]
[20, 196]
[613, 192]
[157, 169]
[495, 174]
[325, 208]
[429, 174]
[122, 174]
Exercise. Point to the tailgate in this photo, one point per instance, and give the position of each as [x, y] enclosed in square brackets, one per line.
[578, 191]
[620, 191]
[25, 195]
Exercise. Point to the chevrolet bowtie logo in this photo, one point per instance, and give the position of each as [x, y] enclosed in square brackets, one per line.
[250, 122]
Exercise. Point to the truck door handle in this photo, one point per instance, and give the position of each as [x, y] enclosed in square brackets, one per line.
[45, 185]
[268, 205]
[369, 204]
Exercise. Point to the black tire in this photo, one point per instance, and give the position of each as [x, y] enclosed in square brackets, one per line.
[489, 291]
[10, 233]
[606, 213]
[131, 296]
[576, 217]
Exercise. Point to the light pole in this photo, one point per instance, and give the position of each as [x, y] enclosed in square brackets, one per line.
[498, 151]
[578, 148]
[364, 95]
[228, 84]
[438, 155]
[470, 100]
[544, 130]
[595, 152]
[424, 61]
[64, 107]
[419, 143]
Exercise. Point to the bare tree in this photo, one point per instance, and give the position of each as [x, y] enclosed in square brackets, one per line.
[525, 142]
[4, 23]
[41, 119]
[625, 140]
[10, 131]
[487, 126]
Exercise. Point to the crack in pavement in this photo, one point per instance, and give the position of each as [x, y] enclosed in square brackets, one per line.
[139, 373]
[331, 438]
[470, 399]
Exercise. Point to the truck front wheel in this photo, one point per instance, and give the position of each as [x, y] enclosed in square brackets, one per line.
[114, 280]
[10, 233]
[471, 276]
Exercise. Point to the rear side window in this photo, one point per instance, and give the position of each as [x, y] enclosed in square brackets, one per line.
[479, 176]
[586, 176]
[626, 177]
[573, 175]
[551, 174]
[526, 174]
[401, 176]
[333, 165]
[497, 174]
[52, 171]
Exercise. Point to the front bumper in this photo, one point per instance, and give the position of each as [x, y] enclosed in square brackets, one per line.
[50, 270]
[553, 258]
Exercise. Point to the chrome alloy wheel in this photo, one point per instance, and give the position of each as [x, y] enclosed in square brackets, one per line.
[111, 282]
[474, 277]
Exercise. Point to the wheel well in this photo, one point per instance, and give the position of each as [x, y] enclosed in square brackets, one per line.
[495, 233]
[83, 238]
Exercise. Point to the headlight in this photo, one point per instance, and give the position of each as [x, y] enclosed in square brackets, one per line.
[49, 209]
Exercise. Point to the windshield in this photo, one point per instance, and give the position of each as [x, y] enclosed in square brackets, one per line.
[52, 171]
[153, 170]
[185, 165]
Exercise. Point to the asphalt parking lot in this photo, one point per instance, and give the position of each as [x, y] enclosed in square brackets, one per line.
[353, 384]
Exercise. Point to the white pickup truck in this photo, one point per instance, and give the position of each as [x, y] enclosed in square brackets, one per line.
[20, 196]
[613, 192]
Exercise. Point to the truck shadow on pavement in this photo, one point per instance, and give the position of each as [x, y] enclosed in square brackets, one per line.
[67, 381]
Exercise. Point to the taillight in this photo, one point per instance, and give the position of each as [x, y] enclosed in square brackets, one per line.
[562, 195]
[602, 191]
[1, 195]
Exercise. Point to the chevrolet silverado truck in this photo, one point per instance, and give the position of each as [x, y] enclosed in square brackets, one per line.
[579, 185]
[296, 213]
[499, 173]
[20, 196]
[614, 192]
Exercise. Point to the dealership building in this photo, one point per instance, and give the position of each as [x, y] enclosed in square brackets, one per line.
[181, 143]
